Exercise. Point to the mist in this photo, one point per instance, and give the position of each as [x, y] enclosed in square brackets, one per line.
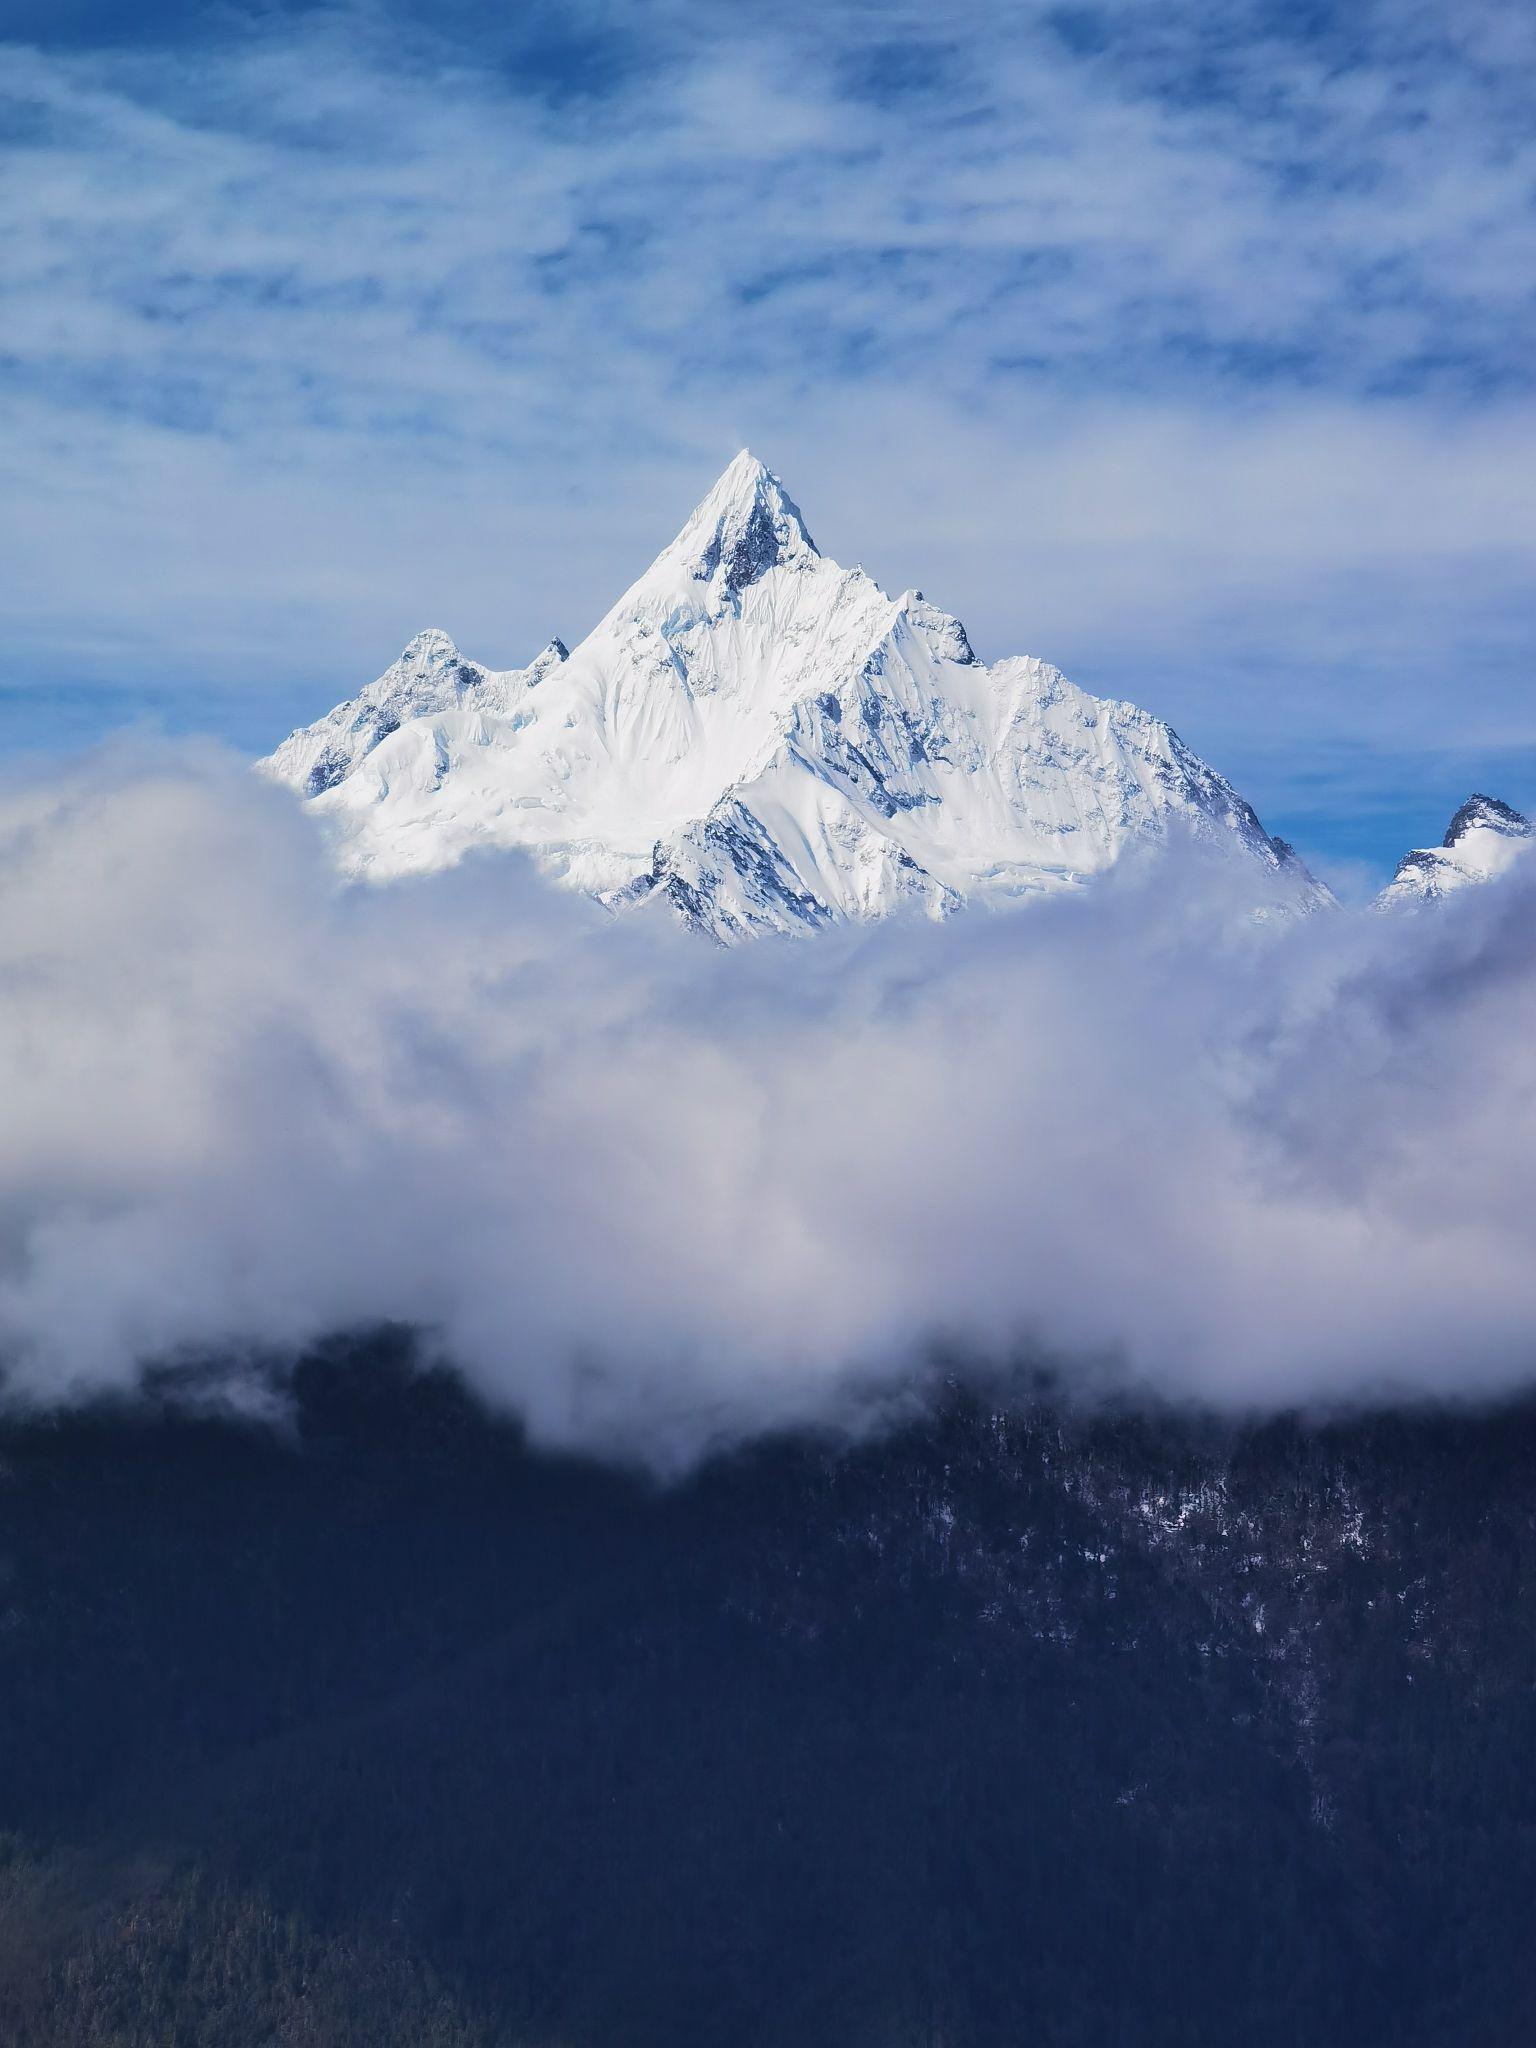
[653, 1194]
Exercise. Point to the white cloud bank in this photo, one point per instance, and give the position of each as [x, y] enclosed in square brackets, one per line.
[637, 1185]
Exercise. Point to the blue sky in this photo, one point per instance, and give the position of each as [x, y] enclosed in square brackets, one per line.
[1187, 345]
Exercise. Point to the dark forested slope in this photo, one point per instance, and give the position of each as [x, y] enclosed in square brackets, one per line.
[1011, 1725]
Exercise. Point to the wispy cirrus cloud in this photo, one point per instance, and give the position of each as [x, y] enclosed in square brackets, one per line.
[1184, 345]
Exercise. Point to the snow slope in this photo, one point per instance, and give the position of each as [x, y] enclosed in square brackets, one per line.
[767, 742]
[1484, 839]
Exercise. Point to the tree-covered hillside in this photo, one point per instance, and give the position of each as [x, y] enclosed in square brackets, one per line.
[1008, 1725]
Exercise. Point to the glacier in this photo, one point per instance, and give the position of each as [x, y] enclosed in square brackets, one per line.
[763, 741]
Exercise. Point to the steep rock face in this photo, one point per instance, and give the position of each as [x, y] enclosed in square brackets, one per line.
[768, 742]
[1484, 839]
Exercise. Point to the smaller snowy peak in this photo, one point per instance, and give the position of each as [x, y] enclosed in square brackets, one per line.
[548, 657]
[1486, 814]
[429, 678]
[1484, 838]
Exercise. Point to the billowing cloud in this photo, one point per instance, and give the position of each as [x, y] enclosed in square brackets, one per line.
[637, 1187]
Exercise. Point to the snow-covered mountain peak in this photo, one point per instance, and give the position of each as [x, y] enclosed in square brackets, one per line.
[1484, 838]
[743, 529]
[1486, 814]
[765, 741]
[747, 525]
[430, 648]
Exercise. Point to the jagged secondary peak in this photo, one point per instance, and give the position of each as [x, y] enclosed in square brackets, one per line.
[747, 525]
[429, 677]
[549, 657]
[1486, 813]
[1484, 838]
